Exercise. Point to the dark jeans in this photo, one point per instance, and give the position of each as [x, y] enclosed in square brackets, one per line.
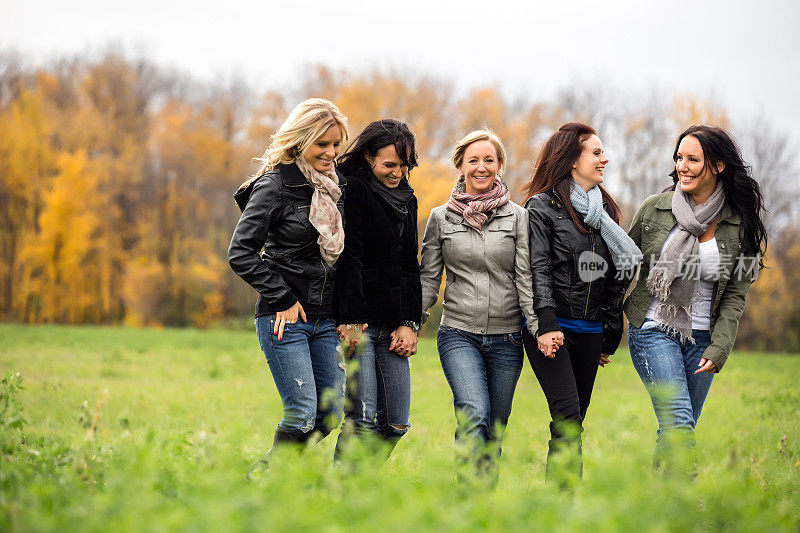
[567, 379]
[482, 371]
[307, 371]
[379, 392]
[666, 367]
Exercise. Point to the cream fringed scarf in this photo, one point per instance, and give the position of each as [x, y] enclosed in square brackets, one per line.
[324, 215]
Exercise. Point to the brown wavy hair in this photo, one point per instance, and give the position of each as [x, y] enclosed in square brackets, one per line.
[553, 169]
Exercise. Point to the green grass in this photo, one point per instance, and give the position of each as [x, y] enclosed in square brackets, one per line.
[185, 412]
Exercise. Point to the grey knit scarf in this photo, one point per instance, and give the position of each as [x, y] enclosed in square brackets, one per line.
[670, 280]
[624, 252]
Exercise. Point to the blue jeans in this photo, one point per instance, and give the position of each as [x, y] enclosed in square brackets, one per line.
[379, 398]
[482, 371]
[307, 371]
[667, 368]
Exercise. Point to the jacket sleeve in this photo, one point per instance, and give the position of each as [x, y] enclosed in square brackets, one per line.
[613, 293]
[522, 272]
[432, 264]
[248, 240]
[731, 308]
[411, 286]
[540, 239]
[352, 302]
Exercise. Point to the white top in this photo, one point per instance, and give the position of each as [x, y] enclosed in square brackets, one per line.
[707, 271]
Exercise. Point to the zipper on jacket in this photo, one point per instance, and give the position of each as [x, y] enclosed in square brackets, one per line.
[324, 280]
[589, 290]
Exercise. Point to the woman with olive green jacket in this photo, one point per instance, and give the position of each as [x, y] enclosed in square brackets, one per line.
[702, 242]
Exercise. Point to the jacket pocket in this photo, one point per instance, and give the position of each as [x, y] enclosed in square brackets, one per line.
[653, 236]
[302, 212]
[320, 288]
[455, 236]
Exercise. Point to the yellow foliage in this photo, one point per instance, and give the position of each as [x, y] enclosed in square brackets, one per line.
[432, 183]
[62, 264]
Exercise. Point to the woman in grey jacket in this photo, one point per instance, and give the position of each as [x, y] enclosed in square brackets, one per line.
[481, 238]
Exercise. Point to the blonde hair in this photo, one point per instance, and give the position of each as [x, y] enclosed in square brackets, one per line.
[485, 134]
[307, 122]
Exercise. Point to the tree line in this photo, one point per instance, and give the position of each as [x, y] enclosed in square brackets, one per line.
[116, 177]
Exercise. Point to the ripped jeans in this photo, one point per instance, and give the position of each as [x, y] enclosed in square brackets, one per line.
[307, 371]
[666, 367]
[379, 395]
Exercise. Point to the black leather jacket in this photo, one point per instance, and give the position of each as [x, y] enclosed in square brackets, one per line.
[567, 268]
[290, 269]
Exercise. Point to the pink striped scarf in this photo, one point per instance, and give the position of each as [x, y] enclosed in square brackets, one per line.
[475, 207]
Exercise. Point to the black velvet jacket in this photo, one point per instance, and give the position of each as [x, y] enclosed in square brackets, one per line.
[378, 272]
[559, 286]
[275, 217]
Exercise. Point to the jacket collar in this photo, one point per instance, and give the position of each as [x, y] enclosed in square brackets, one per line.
[665, 204]
[293, 177]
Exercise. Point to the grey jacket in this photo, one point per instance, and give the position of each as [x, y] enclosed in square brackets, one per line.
[488, 283]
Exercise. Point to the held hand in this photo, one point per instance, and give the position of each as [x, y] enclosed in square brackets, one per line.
[604, 360]
[706, 365]
[289, 316]
[550, 342]
[350, 334]
[404, 341]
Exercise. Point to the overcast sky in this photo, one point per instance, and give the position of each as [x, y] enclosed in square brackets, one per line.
[743, 53]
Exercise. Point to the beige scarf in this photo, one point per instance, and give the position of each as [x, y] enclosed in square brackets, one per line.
[324, 215]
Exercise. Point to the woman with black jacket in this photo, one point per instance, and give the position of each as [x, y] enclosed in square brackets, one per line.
[378, 285]
[579, 256]
[285, 246]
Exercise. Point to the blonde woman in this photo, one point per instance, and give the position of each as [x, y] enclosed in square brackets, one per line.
[292, 210]
[481, 238]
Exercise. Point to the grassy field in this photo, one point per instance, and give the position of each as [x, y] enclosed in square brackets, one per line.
[183, 413]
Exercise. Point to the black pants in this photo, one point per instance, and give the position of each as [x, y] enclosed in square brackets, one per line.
[567, 379]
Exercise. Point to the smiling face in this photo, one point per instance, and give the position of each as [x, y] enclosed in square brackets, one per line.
[694, 176]
[323, 151]
[479, 167]
[387, 166]
[588, 169]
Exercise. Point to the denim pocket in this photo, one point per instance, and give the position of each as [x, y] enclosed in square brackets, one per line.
[514, 338]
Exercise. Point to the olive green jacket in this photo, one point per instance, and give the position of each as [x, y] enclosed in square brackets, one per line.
[649, 229]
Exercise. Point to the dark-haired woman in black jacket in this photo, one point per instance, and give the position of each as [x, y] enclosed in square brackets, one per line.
[378, 287]
[578, 257]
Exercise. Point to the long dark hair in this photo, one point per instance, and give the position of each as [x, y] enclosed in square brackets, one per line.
[375, 136]
[554, 169]
[742, 192]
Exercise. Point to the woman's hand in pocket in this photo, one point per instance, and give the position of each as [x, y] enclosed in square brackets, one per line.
[288, 316]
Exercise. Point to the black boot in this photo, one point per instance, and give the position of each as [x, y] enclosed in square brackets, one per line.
[564, 455]
[283, 438]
